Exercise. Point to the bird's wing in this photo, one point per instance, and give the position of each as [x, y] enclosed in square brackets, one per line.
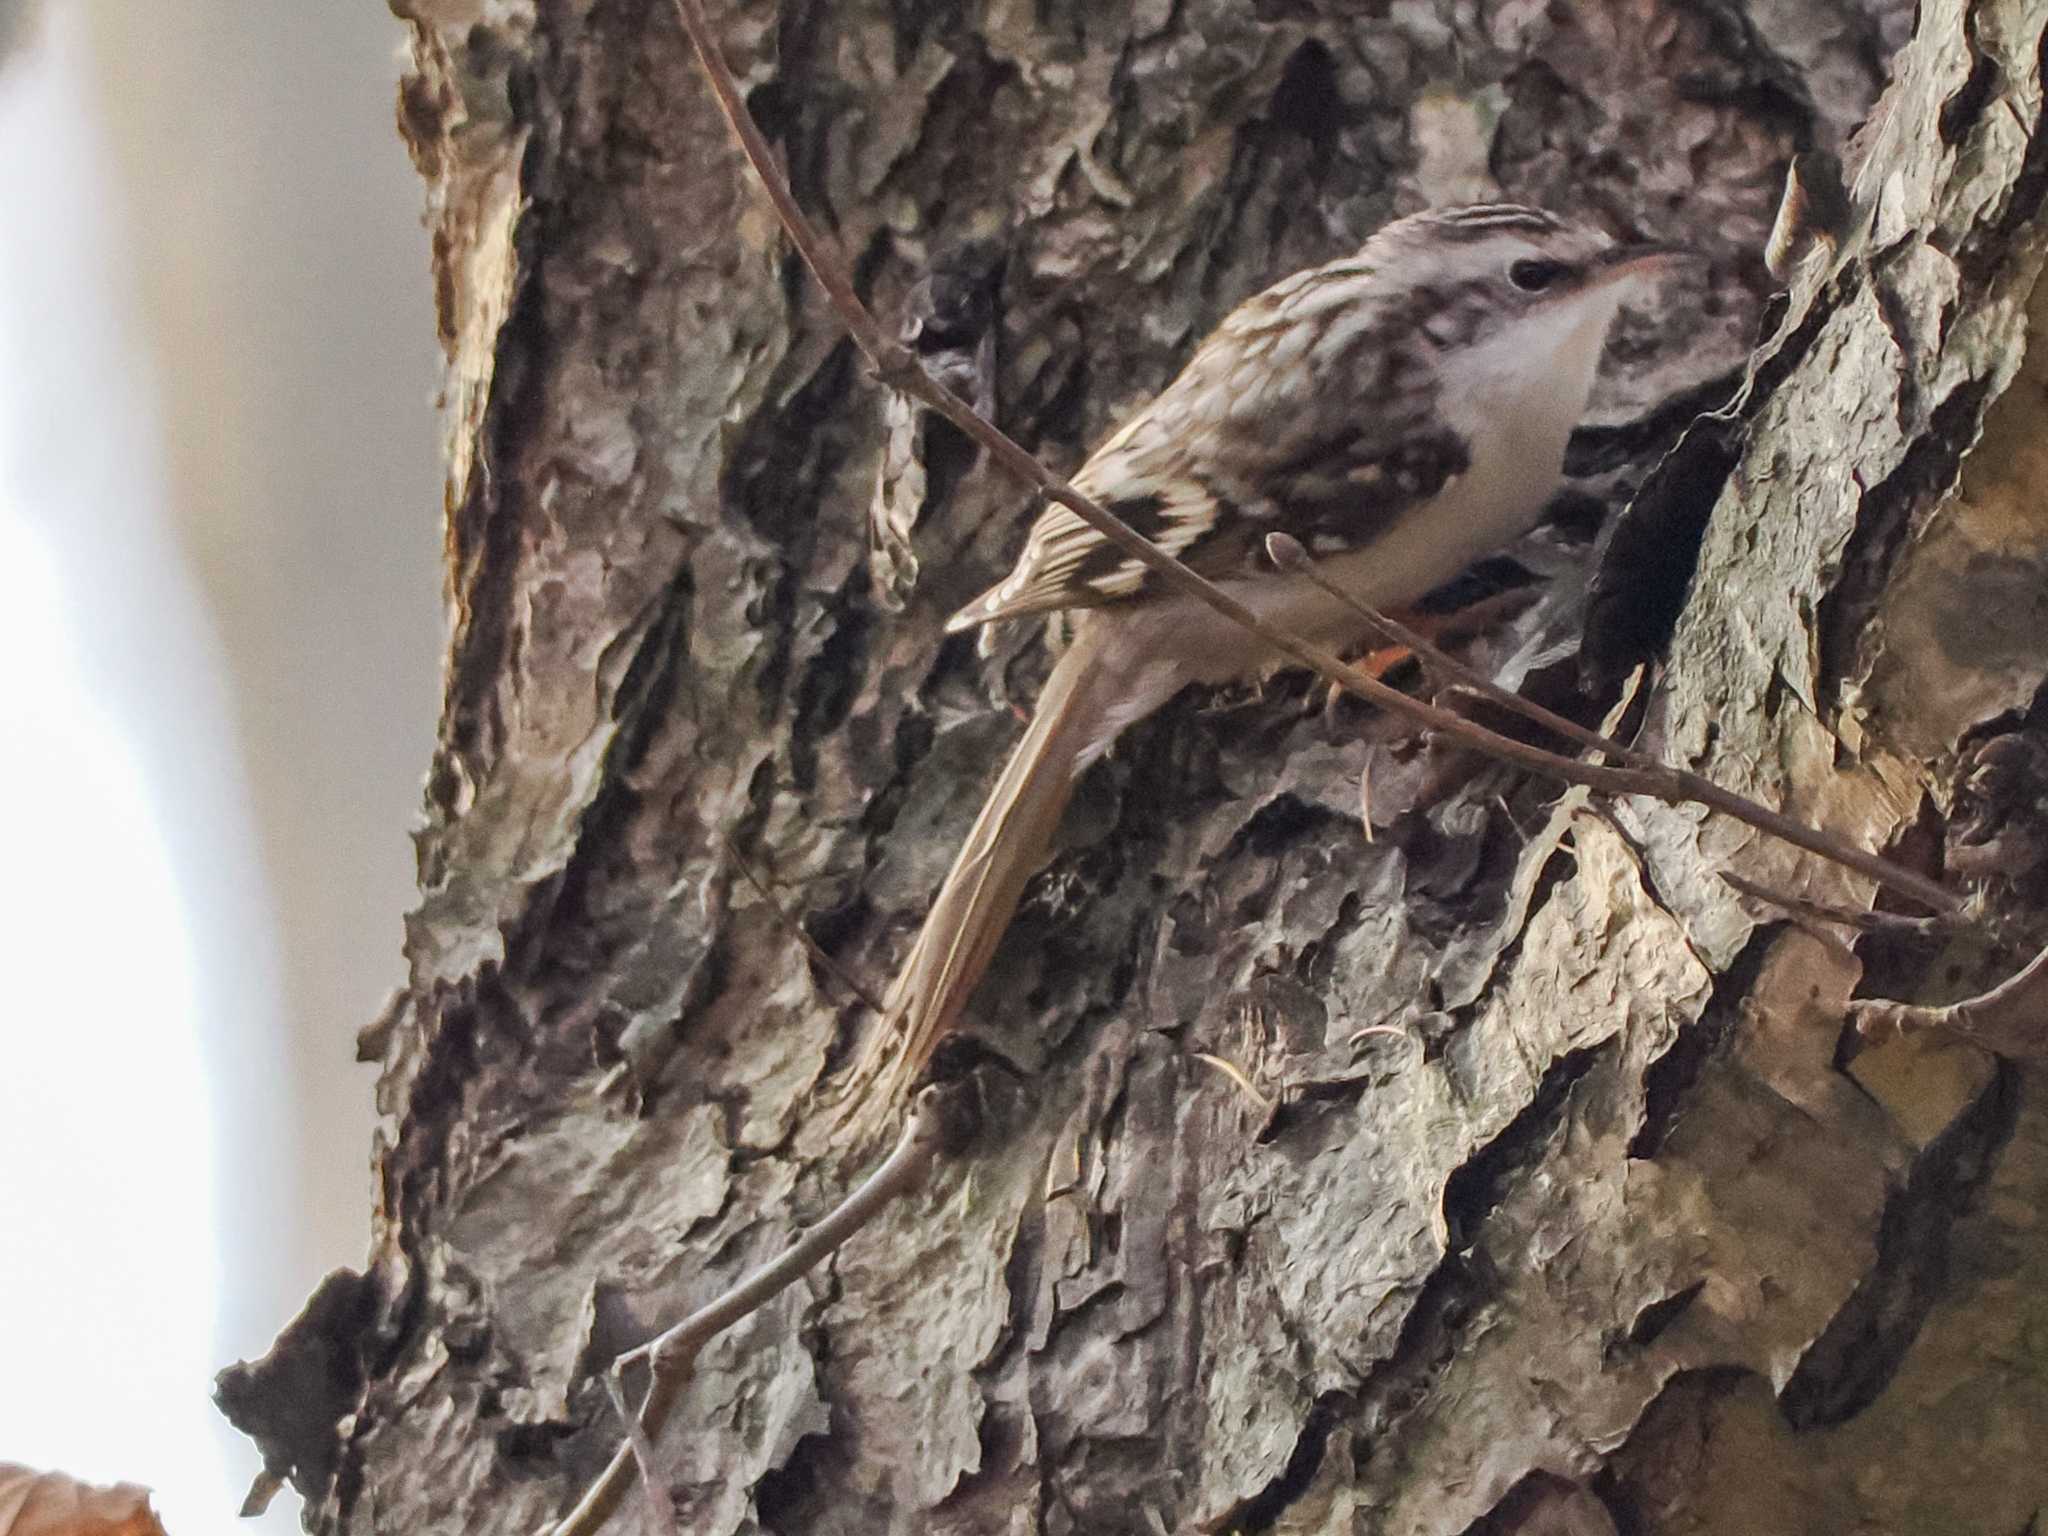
[1298, 416]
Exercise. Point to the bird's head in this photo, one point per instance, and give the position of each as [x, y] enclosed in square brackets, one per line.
[1516, 302]
[1471, 273]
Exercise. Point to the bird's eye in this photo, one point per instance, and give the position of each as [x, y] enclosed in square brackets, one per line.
[1533, 275]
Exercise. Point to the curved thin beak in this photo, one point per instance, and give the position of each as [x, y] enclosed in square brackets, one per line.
[1644, 259]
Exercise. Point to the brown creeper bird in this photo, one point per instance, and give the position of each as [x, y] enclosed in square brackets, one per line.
[1401, 412]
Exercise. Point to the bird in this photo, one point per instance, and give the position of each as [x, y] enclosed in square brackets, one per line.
[1402, 412]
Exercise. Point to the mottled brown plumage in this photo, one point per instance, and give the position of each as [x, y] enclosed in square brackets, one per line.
[1314, 409]
[1400, 412]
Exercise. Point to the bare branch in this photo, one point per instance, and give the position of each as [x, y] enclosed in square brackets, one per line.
[1641, 774]
[1844, 917]
[670, 1354]
[661, 1509]
[1287, 553]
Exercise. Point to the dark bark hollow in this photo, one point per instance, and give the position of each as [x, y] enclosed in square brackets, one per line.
[1603, 1231]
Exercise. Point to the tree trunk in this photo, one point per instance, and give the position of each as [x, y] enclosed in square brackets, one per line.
[1602, 1226]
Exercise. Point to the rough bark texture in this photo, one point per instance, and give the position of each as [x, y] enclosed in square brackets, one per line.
[1606, 1233]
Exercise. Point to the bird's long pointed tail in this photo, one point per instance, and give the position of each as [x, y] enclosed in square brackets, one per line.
[1008, 843]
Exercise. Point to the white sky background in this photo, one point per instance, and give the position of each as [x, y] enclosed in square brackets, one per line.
[219, 642]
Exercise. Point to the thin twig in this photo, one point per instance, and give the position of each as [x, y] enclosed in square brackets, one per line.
[2011, 1019]
[661, 1509]
[1640, 774]
[1843, 917]
[812, 947]
[903, 1170]
[898, 367]
[670, 1354]
[1287, 553]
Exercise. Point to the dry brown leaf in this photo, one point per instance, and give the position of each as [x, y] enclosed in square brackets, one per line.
[52, 1504]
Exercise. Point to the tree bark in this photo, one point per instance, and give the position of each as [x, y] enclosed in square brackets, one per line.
[1605, 1231]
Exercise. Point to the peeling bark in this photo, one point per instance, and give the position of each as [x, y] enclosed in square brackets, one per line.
[1606, 1236]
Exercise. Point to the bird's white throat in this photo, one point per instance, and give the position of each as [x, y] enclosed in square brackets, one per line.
[1515, 398]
